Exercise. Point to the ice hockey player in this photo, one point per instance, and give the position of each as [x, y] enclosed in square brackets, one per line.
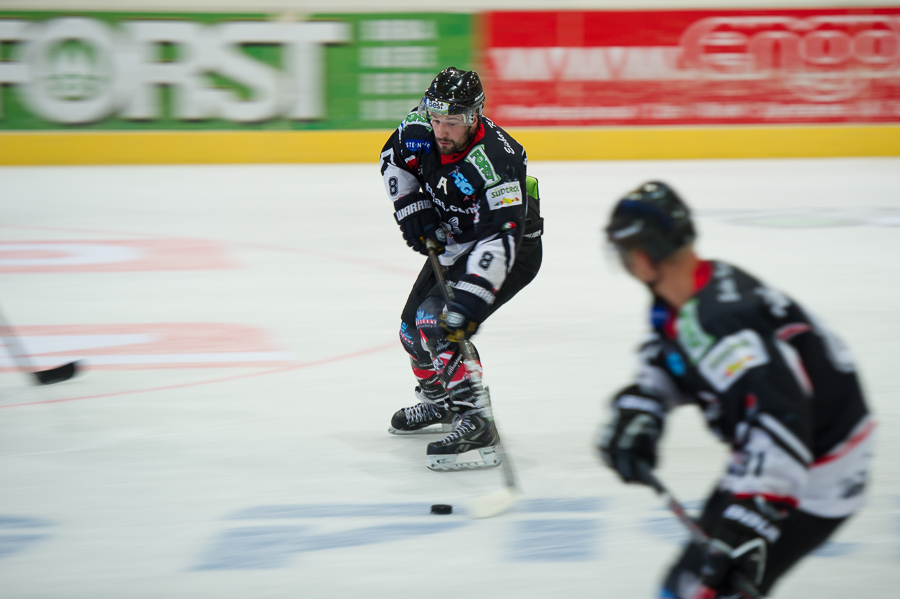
[459, 180]
[773, 383]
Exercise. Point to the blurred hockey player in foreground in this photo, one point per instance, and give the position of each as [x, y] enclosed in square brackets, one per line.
[772, 382]
[459, 180]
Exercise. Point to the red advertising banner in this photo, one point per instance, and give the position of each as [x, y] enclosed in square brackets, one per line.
[693, 67]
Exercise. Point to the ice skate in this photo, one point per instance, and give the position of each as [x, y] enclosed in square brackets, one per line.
[471, 445]
[425, 417]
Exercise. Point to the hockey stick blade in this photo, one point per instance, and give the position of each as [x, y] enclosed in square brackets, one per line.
[56, 375]
[18, 354]
[493, 504]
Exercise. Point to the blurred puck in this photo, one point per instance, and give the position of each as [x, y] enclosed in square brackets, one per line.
[441, 509]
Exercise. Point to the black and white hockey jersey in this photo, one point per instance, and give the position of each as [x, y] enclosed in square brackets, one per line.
[479, 193]
[772, 381]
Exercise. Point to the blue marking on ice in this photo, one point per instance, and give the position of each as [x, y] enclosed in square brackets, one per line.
[267, 547]
[13, 543]
[666, 528]
[559, 540]
[578, 504]
[23, 522]
[332, 510]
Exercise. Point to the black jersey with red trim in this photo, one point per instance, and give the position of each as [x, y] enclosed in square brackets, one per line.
[479, 193]
[772, 380]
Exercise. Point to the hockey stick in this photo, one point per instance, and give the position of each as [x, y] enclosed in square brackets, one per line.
[746, 588]
[499, 501]
[23, 363]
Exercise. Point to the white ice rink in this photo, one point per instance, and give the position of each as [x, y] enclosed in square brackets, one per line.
[239, 325]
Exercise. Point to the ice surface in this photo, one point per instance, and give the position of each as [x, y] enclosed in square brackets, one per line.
[229, 436]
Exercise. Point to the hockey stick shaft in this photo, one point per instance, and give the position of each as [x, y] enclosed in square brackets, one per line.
[700, 536]
[468, 354]
[23, 362]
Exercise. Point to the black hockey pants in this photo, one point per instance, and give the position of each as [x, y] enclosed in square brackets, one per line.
[425, 303]
[801, 533]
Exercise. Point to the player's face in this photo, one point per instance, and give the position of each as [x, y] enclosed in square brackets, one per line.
[451, 132]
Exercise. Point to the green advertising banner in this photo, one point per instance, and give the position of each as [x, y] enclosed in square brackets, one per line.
[162, 71]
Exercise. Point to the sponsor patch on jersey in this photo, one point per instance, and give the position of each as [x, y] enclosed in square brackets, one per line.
[731, 357]
[462, 183]
[675, 363]
[691, 335]
[479, 160]
[415, 117]
[414, 145]
[507, 194]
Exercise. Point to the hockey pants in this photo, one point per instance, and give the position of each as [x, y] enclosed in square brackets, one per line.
[436, 361]
[801, 533]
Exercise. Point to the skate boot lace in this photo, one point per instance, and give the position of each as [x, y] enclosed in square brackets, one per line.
[465, 426]
[421, 412]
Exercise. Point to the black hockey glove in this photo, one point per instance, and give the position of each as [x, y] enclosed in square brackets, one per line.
[418, 219]
[466, 312]
[627, 443]
[740, 545]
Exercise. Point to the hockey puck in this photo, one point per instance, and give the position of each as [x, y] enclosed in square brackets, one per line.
[441, 509]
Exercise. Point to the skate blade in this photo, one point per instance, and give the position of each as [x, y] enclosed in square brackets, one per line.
[477, 459]
[434, 429]
[493, 504]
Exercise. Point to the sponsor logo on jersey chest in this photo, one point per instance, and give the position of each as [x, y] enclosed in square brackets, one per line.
[675, 363]
[462, 183]
[414, 145]
[732, 357]
[479, 160]
[691, 335]
[508, 194]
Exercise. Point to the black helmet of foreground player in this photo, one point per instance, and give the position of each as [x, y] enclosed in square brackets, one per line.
[454, 92]
[653, 219]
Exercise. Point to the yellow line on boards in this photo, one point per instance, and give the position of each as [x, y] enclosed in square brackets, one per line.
[236, 147]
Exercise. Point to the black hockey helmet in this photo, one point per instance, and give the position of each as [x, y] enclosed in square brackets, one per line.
[454, 92]
[652, 218]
